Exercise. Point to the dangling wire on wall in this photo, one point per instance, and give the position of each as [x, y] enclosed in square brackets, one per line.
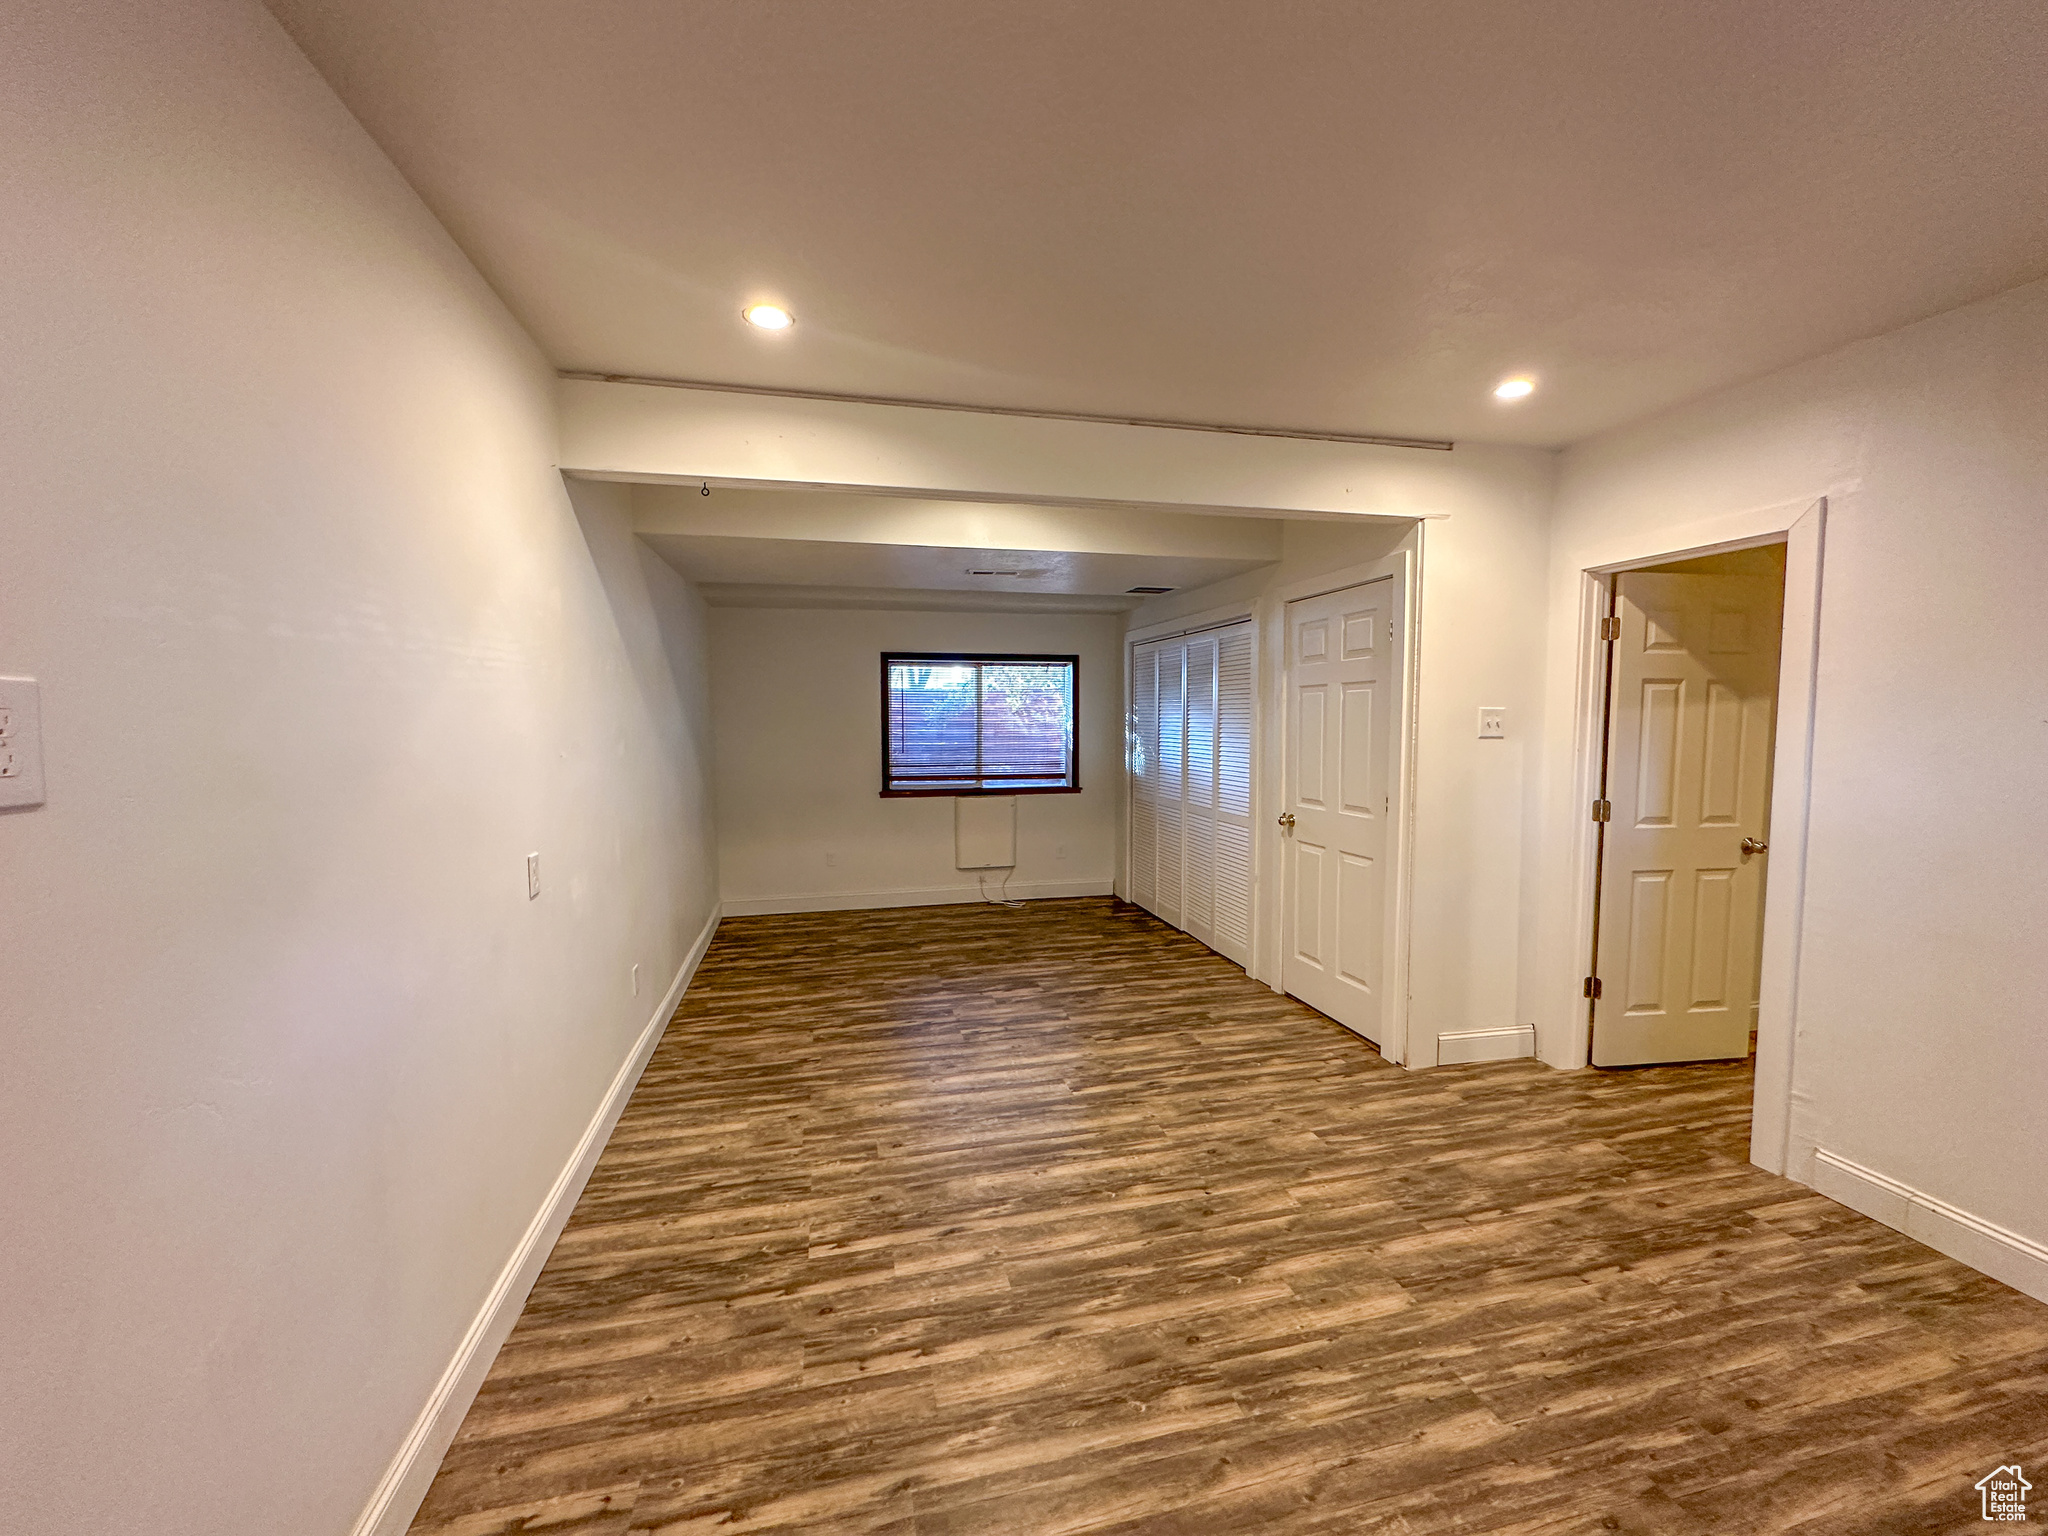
[1001, 898]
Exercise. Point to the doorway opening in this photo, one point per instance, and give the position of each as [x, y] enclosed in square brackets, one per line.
[1683, 806]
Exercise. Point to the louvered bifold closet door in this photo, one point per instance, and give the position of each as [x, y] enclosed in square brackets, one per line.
[1198, 793]
[1233, 821]
[1143, 748]
[1173, 655]
[1191, 785]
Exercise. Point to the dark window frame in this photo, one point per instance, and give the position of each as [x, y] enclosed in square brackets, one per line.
[1073, 664]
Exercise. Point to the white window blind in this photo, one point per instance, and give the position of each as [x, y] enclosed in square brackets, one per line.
[964, 725]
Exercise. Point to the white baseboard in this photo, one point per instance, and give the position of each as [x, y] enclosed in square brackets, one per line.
[935, 896]
[1505, 1044]
[405, 1482]
[2003, 1255]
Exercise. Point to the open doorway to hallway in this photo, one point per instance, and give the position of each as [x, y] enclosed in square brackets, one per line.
[1692, 651]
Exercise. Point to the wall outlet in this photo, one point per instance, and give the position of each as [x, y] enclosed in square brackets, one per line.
[1060, 852]
[532, 876]
[831, 861]
[636, 981]
[21, 743]
[1493, 722]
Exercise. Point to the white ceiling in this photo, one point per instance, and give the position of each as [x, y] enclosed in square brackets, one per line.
[826, 548]
[841, 517]
[817, 563]
[1317, 214]
[906, 599]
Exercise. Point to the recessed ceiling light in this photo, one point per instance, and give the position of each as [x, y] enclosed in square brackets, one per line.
[769, 317]
[1514, 389]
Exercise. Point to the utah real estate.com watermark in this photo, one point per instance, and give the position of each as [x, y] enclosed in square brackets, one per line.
[2004, 1491]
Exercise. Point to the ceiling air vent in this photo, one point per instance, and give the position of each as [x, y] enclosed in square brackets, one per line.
[983, 570]
[1148, 591]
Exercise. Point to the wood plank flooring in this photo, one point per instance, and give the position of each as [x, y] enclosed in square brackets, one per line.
[1024, 1221]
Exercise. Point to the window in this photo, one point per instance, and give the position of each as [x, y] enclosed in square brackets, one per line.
[978, 725]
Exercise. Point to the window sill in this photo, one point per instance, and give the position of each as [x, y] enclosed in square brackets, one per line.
[972, 794]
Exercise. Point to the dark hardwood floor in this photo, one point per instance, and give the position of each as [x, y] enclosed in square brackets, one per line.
[971, 1219]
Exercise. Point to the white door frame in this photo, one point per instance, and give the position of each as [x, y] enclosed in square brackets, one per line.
[1801, 527]
[1270, 798]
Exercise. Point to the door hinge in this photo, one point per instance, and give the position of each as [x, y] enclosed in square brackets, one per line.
[1593, 987]
[1610, 627]
[1603, 810]
[1390, 631]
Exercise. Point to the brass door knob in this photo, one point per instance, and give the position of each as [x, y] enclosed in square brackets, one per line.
[1287, 819]
[1751, 845]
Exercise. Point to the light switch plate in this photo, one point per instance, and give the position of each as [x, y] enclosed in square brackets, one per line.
[1493, 722]
[21, 743]
[532, 876]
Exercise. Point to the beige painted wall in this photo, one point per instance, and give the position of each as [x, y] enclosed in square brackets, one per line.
[614, 429]
[287, 1058]
[1921, 1053]
[797, 720]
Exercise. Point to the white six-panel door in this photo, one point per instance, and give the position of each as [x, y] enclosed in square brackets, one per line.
[1688, 780]
[1190, 764]
[1341, 684]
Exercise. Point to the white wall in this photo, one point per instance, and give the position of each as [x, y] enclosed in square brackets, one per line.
[1921, 1051]
[287, 1058]
[1482, 602]
[796, 710]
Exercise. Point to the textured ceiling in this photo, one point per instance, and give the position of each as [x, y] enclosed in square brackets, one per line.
[1344, 216]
